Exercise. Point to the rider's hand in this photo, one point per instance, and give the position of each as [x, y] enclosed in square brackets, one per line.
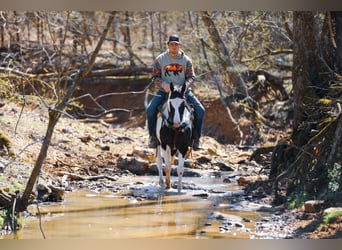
[166, 87]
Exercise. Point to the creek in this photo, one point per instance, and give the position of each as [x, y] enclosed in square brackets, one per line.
[207, 208]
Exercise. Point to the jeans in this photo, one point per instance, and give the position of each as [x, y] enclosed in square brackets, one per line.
[160, 98]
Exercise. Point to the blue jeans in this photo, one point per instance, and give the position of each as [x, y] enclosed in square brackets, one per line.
[160, 98]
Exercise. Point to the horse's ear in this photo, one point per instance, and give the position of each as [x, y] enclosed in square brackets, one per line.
[171, 87]
[183, 88]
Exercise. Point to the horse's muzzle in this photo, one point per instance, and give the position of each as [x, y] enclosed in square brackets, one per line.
[176, 125]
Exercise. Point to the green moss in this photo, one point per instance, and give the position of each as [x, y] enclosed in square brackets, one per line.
[331, 217]
[297, 199]
[18, 186]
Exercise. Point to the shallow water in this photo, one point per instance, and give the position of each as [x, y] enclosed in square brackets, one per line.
[204, 209]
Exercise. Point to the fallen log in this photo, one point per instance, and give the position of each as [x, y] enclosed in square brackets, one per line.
[125, 71]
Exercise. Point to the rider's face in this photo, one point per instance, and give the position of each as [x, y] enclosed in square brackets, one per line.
[174, 47]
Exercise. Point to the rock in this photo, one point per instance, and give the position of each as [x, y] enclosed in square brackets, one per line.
[49, 193]
[227, 218]
[86, 138]
[332, 210]
[134, 165]
[201, 195]
[244, 180]
[144, 153]
[313, 206]
[226, 180]
[223, 166]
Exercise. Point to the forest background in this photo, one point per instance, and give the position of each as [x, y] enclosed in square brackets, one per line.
[274, 73]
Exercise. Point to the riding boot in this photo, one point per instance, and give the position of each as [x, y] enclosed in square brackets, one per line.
[152, 143]
[196, 141]
[196, 145]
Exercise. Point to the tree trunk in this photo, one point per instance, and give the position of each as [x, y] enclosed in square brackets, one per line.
[127, 38]
[309, 158]
[152, 34]
[307, 74]
[336, 17]
[227, 62]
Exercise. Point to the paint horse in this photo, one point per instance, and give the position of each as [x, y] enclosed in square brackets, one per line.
[174, 133]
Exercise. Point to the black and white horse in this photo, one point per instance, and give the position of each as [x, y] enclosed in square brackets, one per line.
[174, 133]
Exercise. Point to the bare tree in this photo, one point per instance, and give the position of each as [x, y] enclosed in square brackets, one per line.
[55, 112]
[227, 62]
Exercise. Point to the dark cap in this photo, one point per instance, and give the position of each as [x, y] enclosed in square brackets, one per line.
[174, 39]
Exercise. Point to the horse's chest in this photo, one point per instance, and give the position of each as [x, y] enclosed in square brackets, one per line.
[175, 138]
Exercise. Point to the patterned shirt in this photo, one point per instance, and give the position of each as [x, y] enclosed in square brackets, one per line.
[169, 69]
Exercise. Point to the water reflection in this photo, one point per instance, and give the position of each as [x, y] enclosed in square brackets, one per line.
[143, 211]
[88, 215]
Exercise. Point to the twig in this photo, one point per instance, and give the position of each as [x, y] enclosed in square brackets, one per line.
[13, 226]
[20, 114]
[268, 53]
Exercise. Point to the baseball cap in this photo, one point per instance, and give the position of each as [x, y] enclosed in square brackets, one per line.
[174, 39]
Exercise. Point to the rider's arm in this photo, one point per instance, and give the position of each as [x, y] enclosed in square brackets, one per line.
[189, 74]
[156, 73]
[157, 77]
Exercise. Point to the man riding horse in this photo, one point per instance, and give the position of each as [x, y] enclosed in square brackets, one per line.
[174, 66]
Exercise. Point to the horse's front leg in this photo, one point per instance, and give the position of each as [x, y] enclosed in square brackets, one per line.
[167, 157]
[180, 170]
[160, 167]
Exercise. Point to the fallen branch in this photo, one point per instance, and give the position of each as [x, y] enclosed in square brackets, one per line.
[268, 53]
[76, 177]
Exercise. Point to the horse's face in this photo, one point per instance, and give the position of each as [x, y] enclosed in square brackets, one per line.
[178, 111]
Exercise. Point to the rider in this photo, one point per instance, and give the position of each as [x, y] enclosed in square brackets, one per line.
[176, 67]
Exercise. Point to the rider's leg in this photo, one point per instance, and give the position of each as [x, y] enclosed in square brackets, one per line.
[198, 117]
[151, 113]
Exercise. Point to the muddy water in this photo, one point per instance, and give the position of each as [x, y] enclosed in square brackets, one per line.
[206, 208]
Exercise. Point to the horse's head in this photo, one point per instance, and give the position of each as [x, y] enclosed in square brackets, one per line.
[178, 110]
